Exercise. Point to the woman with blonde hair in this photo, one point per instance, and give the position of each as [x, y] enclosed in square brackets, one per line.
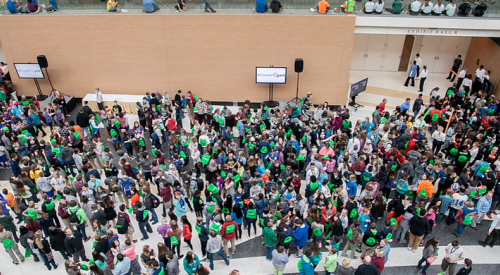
[345, 268]
[41, 247]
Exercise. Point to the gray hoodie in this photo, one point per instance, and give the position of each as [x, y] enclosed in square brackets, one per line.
[405, 222]
[173, 266]
[279, 260]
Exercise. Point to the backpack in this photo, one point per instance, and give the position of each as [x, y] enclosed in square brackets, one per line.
[462, 158]
[435, 117]
[210, 209]
[394, 223]
[371, 241]
[155, 137]
[287, 240]
[349, 234]
[423, 193]
[154, 201]
[121, 224]
[317, 232]
[230, 228]
[251, 214]
[454, 151]
[126, 187]
[174, 240]
[467, 220]
[353, 213]
[73, 217]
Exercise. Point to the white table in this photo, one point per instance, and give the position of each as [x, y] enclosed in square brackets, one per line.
[127, 102]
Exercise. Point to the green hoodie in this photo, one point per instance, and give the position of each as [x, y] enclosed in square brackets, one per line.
[269, 237]
[80, 213]
[331, 263]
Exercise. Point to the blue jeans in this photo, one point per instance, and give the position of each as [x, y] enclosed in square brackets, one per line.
[328, 273]
[269, 252]
[153, 214]
[86, 133]
[451, 216]
[81, 229]
[13, 231]
[207, 6]
[211, 258]
[64, 254]
[439, 217]
[70, 168]
[423, 260]
[460, 229]
[107, 181]
[143, 226]
[47, 262]
[24, 153]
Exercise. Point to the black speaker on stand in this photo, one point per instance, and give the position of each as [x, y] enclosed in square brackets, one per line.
[299, 67]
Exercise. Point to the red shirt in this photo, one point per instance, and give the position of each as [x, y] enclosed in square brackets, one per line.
[228, 236]
[192, 99]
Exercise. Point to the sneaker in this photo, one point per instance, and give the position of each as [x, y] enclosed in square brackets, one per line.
[479, 223]
[410, 249]
[134, 241]
[297, 256]
[56, 266]
[413, 250]
[142, 239]
[156, 223]
[481, 243]
[390, 240]
[354, 258]
[228, 262]
[181, 256]
[491, 245]
[489, 216]
[418, 268]
[455, 235]
[88, 239]
[475, 228]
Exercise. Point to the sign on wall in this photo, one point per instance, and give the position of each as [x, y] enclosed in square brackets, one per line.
[28, 70]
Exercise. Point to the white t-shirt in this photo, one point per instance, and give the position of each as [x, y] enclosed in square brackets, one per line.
[423, 73]
[379, 7]
[467, 82]
[438, 9]
[480, 73]
[427, 9]
[462, 74]
[418, 59]
[450, 9]
[5, 69]
[415, 7]
[369, 6]
[458, 201]
[98, 96]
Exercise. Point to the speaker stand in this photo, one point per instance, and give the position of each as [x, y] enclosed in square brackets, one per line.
[296, 99]
[354, 104]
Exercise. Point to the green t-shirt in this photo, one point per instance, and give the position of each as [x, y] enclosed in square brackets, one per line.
[6, 222]
[396, 6]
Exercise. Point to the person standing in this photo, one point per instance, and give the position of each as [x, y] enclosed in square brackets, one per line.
[418, 60]
[280, 260]
[478, 82]
[428, 255]
[367, 267]
[423, 77]
[214, 246]
[142, 218]
[83, 120]
[74, 245]
[454, 254]
[417, 105]
[99, 99]
[411, 75]
[270, 240]
[419, 225]
[457, 62]
[493, 233]
[10, 245]
[228, 232]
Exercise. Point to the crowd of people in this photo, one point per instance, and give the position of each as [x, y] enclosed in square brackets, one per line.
[305, 174]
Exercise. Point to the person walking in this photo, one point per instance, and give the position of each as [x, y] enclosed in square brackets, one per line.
[279, 260]
[429, 255]
[228, 232]
[483, 206]
[419, 225]
[411, 74]
[423, 77]
[10, 246]
[99, 99]
[214, 247]
[417, 105]
[454, 254]
[464, 217]
[493, 233]
[142, 218]
[203, 234]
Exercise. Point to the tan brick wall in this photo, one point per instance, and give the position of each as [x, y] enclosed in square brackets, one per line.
[213, 56]
[488, 53]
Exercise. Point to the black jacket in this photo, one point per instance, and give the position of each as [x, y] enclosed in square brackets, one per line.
[82, 120]
[57, 242]
[102, 246]
[74, 244]
[419, 226]
[365, 269]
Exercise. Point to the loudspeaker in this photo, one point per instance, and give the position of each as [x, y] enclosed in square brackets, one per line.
[299, 65]
[42, 61]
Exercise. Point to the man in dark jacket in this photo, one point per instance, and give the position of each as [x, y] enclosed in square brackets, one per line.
[143, 219]
[149, 200]
[67, 154]
[419, 225]
[74, 245]
[370, 240]
[82, 120]
[367, 268]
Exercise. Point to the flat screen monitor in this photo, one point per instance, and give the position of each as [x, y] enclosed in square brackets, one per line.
[358, 87]
[28, 70]
[270, 75]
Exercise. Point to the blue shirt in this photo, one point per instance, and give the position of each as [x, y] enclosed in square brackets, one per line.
[405, 106]
[54, 4]
[149, 6]
[123, 267]
[445, 203]
[11, 6]
[260, 6]
[483, 205]
[413, 71]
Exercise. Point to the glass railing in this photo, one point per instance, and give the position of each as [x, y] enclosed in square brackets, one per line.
[239, 6]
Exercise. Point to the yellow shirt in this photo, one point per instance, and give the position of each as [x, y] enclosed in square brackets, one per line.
[111, 4]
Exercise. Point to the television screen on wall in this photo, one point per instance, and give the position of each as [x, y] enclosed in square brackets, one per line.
[270, 75]
[28, 70]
